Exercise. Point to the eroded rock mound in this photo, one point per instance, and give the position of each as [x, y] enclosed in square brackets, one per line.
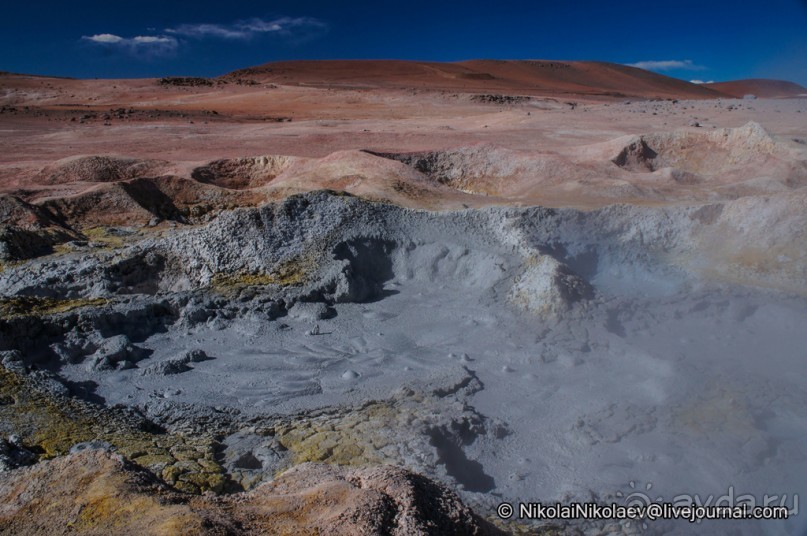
[375, 500]
[96, 492]
[113, 204]
[139, 201]
[14, 211]
[28, 230]
[98, 169]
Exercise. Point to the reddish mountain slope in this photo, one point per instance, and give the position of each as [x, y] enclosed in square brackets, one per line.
[759, 87]
[508, 76]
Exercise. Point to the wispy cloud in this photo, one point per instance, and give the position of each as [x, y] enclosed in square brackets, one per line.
[289, 27]
[168, 42]
[146, 45]
[702, 82]
[667, 65]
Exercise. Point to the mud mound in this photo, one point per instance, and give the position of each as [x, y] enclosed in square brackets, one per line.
[14, 211]
[636, 156]
[456, 169]
[148, 200]
[359, 173]
[242, 173]
[729, 154]
[98, 169]
[338, 249]
[489, 170]
[547, 287]
[113, 204]
[198, 201]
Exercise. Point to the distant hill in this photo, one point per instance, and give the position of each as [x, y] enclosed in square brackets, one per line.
[508, 77]
[760, 87]
[8, 74]
[501, 76]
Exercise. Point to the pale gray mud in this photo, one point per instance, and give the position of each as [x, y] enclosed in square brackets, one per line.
[537, 354]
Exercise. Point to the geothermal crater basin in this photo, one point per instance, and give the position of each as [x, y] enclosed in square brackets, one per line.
[519, 294]
[518, 354]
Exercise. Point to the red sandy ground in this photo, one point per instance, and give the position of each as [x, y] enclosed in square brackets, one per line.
[317, 108]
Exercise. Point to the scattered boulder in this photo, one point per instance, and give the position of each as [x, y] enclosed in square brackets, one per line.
[310, 311]
[91, 445]
[185, 81]
[195, 356]
[500, 99]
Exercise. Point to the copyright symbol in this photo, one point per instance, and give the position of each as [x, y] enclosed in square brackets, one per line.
[505, 510]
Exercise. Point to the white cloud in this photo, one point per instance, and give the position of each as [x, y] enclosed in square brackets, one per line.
[104, 38]
[207, 30]
[667, 65]
[153, 39]
[247, 29]
[142, 45]
[294, 29]
[701, 82]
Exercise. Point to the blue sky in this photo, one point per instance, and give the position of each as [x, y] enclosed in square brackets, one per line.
[689, 39]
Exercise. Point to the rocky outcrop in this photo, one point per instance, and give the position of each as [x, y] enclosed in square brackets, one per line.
[97, 492]
[28, 231]
[329, 500]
